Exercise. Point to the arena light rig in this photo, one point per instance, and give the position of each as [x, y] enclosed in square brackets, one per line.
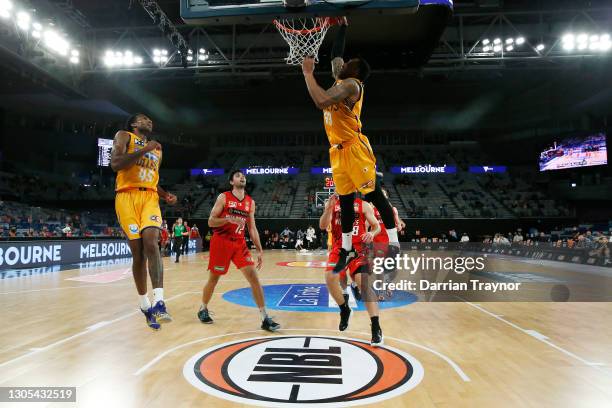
[48, 36]
[584, 41]
[498, 45]
[121, 59]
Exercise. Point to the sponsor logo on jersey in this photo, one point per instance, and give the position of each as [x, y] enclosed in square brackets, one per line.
[155, 218]
[369, 184]
[240, 213]
[133, 228]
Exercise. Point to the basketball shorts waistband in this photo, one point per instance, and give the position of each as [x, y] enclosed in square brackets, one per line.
[125, 190]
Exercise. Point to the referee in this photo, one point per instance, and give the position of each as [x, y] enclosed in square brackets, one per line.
[177, 233]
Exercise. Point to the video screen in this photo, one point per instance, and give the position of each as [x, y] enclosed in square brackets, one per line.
[104, 152]
[575, 152]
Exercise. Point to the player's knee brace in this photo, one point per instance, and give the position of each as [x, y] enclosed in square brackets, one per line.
[378, 199]
[347, 212]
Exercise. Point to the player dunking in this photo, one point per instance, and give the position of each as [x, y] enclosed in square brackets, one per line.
[358, 267]
[232, 211]
[352, 160]
[136, 161]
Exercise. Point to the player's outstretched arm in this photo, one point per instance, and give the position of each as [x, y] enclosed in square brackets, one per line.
[368, 212]
[399, 223]
[215, 220]
[254, 234]
[328, 211]
[120, 159]
[333, 95]
[338, 49]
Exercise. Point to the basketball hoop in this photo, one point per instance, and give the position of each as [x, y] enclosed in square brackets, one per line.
[304, 36]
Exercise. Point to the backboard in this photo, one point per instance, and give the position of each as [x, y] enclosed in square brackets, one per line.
[206, 12]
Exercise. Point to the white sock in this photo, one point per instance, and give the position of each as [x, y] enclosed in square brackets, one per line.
[158, 294]
[204, 306]
[264, 314]
[347, 240]
[145, 303]
[345, 291]
[392, 233]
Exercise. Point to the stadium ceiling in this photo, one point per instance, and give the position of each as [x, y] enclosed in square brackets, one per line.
[116, 39]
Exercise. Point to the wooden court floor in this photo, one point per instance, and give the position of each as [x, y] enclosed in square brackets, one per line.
[70, 328]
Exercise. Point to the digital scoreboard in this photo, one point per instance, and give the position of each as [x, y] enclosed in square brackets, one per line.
[104, 152]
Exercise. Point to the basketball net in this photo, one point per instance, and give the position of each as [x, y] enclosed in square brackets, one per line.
[304, 36]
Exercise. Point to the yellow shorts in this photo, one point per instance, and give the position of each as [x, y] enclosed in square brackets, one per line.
[137, 210]
[353, 167]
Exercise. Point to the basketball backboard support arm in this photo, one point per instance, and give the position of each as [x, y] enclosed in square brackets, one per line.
[322, 196]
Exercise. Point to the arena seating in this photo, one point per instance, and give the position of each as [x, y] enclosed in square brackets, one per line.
[459, 195]
[22, 220]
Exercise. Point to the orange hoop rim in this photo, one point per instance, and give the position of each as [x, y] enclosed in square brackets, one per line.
[325, 21]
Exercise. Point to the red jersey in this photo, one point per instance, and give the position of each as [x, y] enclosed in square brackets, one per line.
[359, 225]
[193, 234]
[382, 235]
[234, 208]
[164, 235]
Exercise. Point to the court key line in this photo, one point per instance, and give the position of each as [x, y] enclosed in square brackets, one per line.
[538, 336]
[450, 362]
[88, 330]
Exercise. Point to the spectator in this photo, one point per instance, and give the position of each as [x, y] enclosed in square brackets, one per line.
[581, 242]
[402, 235]
[465, 237]
[299, 242]
[195, 232]
[286, 233]
[310, 237]
[267, 239]
[185, 243]
[164, 238]
[602, 250]
[300, 235]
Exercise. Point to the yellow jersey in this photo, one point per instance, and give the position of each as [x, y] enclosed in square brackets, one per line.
[342, 122]
[143, 174]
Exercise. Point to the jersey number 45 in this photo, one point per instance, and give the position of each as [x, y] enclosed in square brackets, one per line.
[146, 175]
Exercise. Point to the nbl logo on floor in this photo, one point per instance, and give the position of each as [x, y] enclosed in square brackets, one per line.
[303, 371]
